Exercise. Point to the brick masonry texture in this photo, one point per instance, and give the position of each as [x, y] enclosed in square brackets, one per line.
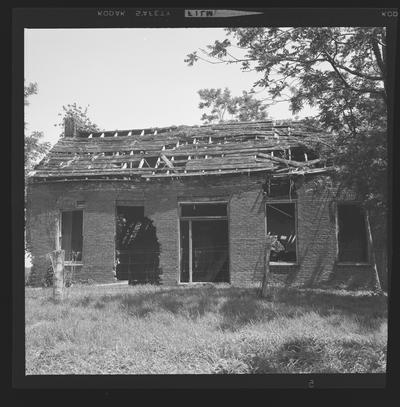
[316, 228]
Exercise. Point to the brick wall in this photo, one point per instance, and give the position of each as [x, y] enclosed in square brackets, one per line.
[246, 221]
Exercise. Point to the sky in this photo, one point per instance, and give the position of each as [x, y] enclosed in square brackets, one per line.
[129, 78]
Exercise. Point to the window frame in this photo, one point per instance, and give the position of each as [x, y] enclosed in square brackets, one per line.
[365, 215]
[204, 217]
[200, 218]
[284, 201]
[59, 238]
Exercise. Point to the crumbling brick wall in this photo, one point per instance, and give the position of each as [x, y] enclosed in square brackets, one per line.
[316, 228]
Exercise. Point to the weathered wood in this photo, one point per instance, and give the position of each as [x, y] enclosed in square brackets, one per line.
[227, 166]
[375, 275]
[197, 173]
[57, 261]
[167, 162]
[305, 171]
[299, 164]
[57, 233]
[267, 254]
[281, 160]
[84, 156]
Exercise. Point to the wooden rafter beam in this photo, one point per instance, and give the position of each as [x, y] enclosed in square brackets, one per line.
[280, 160]
[201, 173]
[167, 162]
[304, 172]
[291, 163]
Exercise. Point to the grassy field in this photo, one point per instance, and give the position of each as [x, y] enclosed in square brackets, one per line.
[161, 330]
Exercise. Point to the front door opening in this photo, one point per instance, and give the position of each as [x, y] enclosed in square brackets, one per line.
[204, 251]
[137, 247]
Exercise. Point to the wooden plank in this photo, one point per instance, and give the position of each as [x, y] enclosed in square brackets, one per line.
[202, 165]
[243, 139]
[167, 162]
[371, 251]
[194, 174]
[281, 160]
[117, 171]
[305, 172]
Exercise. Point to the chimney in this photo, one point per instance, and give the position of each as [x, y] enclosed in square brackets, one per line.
[70, 127]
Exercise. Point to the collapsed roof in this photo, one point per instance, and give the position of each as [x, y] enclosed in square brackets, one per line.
[277, 148]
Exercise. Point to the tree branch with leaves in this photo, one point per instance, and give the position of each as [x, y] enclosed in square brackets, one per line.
[239, 108]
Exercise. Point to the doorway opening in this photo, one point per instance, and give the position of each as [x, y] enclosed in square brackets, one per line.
[137, 248]
[204, 249]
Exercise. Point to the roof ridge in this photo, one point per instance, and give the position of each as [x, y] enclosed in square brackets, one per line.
[163, 129]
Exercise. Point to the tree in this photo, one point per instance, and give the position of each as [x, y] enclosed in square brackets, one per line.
[80, 115]
[339, 70]
[34, 147]
[221, 102]
[250, 108]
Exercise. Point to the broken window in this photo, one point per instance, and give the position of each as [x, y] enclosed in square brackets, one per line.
[281, 188]
[352, 236]
[71, 235]
[204, 252]
[281, 223]
[137, 247]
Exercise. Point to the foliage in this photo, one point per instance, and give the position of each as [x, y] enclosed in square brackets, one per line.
[48, 278]
[221, 102]
[339, 70]
[80, 116]
[34, 150]
[250, 108]
[34, 147]
[69, 280]
[30, 89]
[138, 237]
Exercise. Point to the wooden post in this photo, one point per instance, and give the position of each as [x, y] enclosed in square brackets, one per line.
[190, 253]
[57, 239]
[267, 252]
[377, 283]
[57, 261]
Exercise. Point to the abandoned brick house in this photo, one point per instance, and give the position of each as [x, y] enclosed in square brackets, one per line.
[193, 204]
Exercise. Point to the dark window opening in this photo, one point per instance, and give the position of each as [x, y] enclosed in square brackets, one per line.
[203, 209]
[280, 188]
[137, 247]
[204, 251]
[297, 154]
[279, 154]
[184, 257]
[281, 223]
[151, 161]
[71, 235]
[352, 234]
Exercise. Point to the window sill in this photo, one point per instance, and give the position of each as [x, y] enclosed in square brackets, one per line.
[202, 282]
[281, 263]
[73, 263]
[352, 264]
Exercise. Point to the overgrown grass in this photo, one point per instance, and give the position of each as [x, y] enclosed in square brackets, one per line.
[161, 330]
